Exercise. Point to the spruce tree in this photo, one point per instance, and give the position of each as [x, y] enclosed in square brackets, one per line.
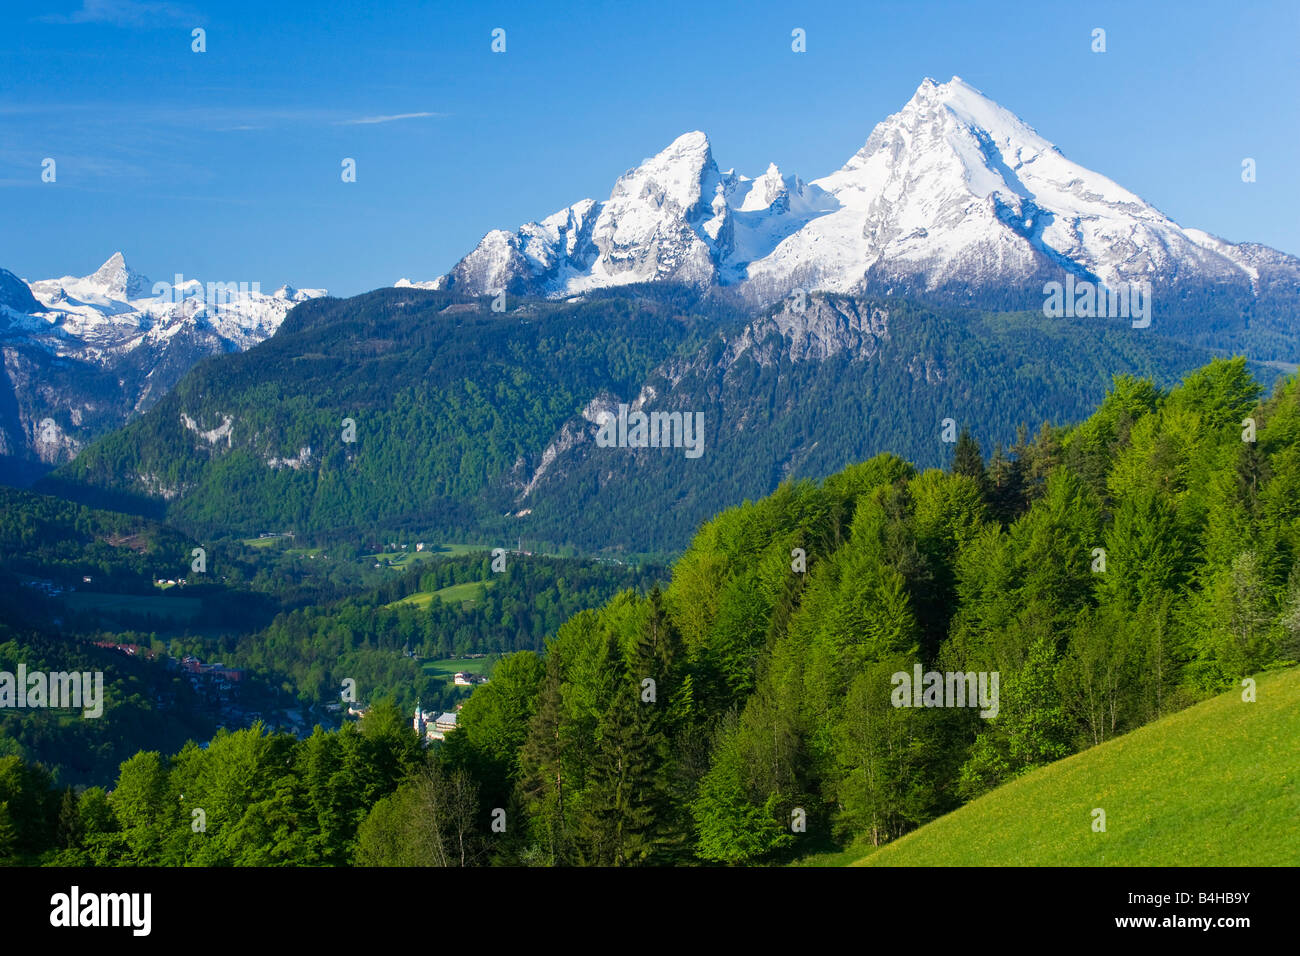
[624, 800]
[8, 836]
[967, 459]
[69, 831]
[543, 783]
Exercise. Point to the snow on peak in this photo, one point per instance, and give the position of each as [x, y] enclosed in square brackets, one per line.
[951, 190]
[118, 280]
[675, 177]
[691, 149]
[115, 310]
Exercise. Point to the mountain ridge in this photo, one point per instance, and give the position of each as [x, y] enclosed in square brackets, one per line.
[953, 198]
[81, 354]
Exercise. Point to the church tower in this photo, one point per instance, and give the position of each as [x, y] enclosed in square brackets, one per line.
[419, 720]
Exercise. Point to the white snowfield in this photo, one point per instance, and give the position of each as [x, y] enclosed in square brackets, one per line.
[952, 189]
[115, 310]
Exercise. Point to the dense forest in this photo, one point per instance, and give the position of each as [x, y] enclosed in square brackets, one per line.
[445, 397]
[143, 704]
[775, 412]
[377, 638]
[47, 537]
[1109, 573]
[416, 410]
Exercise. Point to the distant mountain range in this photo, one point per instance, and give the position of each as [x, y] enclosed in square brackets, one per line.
[81, 354]
[951, 199]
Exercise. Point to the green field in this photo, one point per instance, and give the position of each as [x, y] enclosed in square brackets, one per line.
[277, 540]
[404, 559]
[448, 667]
[455, 550]
[467, 594]
[171, 608]
[1217, 784]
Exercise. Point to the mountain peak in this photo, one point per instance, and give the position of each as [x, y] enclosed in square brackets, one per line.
[952, 192]
[676, 181]
[680, 165]
[16, 294]
[118, 280]
[930, 87]
[690, 152]
[694, 141]
[973, 108]
[115, 264]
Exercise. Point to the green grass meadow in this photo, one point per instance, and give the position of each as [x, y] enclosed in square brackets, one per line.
[467, 595]
[447, 668]
[1217, 784]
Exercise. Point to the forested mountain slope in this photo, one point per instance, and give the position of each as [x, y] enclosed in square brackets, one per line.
[416, 409]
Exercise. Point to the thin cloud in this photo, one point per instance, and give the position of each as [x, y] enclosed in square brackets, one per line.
[216, 118]
[387, 119]
[125, 13]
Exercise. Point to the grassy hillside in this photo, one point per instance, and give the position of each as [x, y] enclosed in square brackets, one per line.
[466, 595]
[1214, 785]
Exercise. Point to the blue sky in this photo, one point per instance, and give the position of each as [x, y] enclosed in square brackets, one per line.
[225, 165]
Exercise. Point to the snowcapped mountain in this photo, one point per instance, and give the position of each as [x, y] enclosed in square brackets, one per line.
[951, 197]
[115, 310]
[82, 353]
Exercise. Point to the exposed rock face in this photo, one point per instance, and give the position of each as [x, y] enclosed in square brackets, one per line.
[814, 328]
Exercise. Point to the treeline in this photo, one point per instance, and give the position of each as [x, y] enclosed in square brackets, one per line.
[247, 799]
[453, 407]
[1108, 573]
[775, 413]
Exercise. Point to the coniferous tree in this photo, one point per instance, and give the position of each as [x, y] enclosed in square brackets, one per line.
[8, 836]
[967, 459]
[69, 833]
[624, 801]
[543, 781]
